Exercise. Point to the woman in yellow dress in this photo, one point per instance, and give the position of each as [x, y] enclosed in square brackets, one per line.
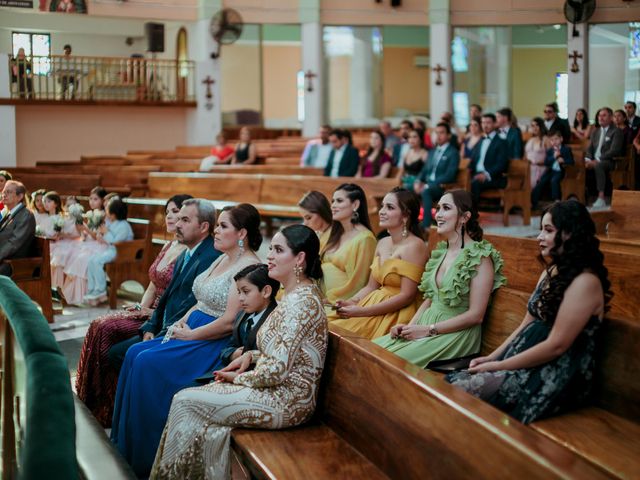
[315, 211]
[348, 252]
[390, 296]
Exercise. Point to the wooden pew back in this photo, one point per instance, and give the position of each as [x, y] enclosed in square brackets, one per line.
[65, 184]
[407, 421]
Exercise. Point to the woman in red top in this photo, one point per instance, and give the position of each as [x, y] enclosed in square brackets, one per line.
[221, 154]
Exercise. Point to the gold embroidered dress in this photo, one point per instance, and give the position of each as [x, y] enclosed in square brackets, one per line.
[281, 391]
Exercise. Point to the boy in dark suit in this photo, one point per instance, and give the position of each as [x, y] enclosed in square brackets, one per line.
[557, 157]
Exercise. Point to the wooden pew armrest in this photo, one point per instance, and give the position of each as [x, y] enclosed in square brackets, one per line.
[130, 251]
[25, 268]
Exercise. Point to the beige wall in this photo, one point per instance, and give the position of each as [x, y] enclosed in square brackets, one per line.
[534, 78]
[52, 132]
[281, 64]
[527, 12]
[186, 10]
[405, 85]
[240, 67]
[368, 12]
[607, 69]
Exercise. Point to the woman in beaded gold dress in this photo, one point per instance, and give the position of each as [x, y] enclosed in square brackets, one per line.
[348, 252]
[390, 295]
[282, 388]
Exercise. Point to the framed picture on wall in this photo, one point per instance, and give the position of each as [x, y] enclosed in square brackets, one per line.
[63, 6]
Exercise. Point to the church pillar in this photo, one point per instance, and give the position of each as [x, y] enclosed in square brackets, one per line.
[578, 82]
[441, 80]
[312, 62]
[205, 121]
[503, 61]
[8, 156]
[361, 89]
[312, 65]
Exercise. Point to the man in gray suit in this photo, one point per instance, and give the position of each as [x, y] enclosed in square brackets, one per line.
[607, 142]
[441, 167]
[18, 228]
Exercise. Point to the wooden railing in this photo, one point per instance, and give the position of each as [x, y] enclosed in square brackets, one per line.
[102, 79]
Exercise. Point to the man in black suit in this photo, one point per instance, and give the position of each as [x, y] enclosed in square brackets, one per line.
[17, 228]
[554, 123]
[441, 168]
[196, 221]
[490, 161]
[606, 143]
[344, 159]
[632, 119]
[509, 131]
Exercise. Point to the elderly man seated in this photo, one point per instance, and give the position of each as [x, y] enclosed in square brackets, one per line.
[17, 228]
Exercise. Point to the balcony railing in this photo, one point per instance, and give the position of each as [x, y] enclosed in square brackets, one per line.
[102, 79]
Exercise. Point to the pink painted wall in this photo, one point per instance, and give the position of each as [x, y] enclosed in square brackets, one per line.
[58, 132]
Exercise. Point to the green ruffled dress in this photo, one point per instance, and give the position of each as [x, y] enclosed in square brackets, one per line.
[451, 299]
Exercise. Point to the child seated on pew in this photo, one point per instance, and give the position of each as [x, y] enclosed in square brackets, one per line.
[117, 229]
[37, 207]
[547, 364]
[557, 156]
[75, 269]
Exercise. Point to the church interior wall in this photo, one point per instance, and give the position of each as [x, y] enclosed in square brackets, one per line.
[63, 132]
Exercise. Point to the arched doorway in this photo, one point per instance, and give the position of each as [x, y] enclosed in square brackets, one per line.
[182, 66]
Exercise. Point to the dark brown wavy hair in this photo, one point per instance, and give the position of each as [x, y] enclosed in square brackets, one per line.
[576, 250]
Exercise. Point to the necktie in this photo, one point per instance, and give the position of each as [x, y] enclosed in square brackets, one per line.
[187, 257]
[248, 326]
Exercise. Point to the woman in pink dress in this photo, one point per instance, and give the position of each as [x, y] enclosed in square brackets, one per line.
[536, 149]
[96, 379]
[75, 265]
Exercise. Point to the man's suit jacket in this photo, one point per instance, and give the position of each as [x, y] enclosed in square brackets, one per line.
[446, 169]
[562, 125]
[17, 232]
[348, 164]
[178, 298]
[514, 143]
[397, 153]
[496, 161]
[238, 340]
[613, 145]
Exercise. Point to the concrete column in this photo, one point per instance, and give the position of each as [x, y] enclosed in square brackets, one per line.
[312, 62]
[503, 60]
[205, 121]
[578, 88]
[440, 54]
[362, 70]
[8, 157]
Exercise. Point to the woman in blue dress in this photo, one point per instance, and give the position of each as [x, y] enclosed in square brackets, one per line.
[154, 370]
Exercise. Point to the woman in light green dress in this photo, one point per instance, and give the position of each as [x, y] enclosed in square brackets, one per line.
[457, 283]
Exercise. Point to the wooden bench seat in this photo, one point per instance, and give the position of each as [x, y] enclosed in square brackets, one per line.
[63, 183]
[396, 420]
[517, 193]
[599, 436]
[322, 452]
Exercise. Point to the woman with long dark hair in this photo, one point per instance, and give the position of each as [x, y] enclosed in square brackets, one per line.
[456, 284]
[315, 211]
[282, 388]
[536, 149]
[581, 127]
[376, 162]
[350, 247]
[390, 295]
[547, 364]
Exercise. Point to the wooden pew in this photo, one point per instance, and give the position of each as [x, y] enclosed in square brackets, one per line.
[612, 424]
[133, 259]
[380, 417]
[65, 184]
[33, 276]
[623, 173]
[517, 193]
[574, 179]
